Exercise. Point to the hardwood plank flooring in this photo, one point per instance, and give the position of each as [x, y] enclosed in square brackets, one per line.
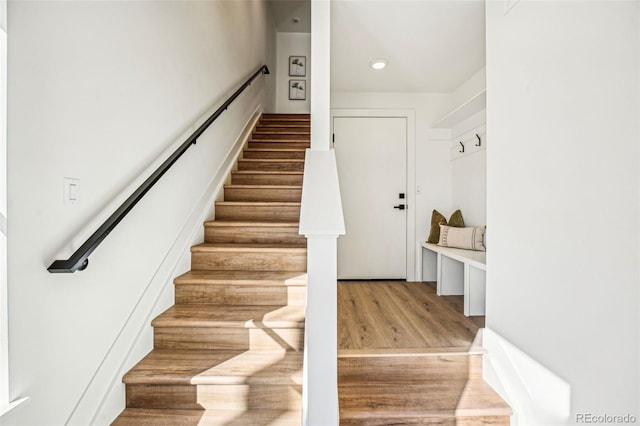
[398, 314]
[407, 356]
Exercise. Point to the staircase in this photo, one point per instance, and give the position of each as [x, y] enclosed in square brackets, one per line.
[230, 350]
[426, 386]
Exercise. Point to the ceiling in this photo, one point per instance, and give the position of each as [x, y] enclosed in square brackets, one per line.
[430, 45]
[284, 12]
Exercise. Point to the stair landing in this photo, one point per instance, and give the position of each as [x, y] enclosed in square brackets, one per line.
[409, 357]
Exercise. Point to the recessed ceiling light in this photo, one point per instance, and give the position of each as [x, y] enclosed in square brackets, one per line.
[378, 64]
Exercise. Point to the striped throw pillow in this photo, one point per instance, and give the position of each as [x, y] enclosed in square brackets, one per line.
[469, 238]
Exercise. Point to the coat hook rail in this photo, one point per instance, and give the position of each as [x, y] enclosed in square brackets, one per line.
[462, 145]
[479, 140]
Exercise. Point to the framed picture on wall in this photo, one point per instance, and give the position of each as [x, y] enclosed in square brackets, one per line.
[297, 90]
[297, 66]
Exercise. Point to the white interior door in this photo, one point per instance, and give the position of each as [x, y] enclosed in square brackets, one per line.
[371, 154]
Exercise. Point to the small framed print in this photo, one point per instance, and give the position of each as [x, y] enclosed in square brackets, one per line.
[297, 66]
[297, 90]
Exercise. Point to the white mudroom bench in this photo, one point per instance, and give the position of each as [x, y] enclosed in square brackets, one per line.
[457, 272]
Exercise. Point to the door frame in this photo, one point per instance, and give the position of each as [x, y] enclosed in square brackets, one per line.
[410, 116]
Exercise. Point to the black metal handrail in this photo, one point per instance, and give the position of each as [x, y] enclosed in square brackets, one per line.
[80, 258]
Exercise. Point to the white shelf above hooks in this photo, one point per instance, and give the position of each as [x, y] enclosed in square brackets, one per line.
[473, 105]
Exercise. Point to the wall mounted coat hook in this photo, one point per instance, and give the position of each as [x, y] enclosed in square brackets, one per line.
[462, 145]
[479, 140]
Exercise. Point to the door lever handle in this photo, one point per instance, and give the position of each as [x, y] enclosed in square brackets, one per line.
[399, 207]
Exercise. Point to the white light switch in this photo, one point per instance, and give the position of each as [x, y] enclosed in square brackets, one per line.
[71, 191]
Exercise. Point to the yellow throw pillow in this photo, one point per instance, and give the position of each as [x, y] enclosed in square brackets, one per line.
[456, 219]
[436, 220]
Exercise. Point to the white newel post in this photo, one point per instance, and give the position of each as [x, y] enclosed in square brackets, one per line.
[321, 356]
[321, 221]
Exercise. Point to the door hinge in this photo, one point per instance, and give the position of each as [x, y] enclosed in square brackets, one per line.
[333, 138]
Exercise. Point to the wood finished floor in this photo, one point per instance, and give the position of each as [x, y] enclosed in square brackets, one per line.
[399, 314]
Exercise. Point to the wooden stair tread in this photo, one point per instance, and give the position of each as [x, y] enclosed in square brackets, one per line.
[217, 367]
[239, 231]
[433, 399]
[286, 117]
[275, 140]
[301, 131]
[478, 398]
[266, 223]
[275, 137]
[295, 123]
[176, 417]
[268, 210]
[272, 118]
[292, 120]
[274, 149]
[267, 153]
[290, 177]
[259, 203]
[263, 248]
[272, 160]
[280, 122]
[264, 187]
[267, 172]
[408, 352]
[239, 278]
[265, 124]
[277, 121]
[242, 316]
[281, 136]
[260, 192]
[296, 126]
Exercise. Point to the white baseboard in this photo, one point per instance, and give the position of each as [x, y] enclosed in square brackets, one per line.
[536, 395]
[104, 396]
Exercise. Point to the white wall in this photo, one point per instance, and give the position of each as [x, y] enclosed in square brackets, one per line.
[469, 170]
[471, 87]
[432, 164]
[562, 193]
[292, 44]
[96, 91]
[272, 62]
[321, 66]
[4, 329]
